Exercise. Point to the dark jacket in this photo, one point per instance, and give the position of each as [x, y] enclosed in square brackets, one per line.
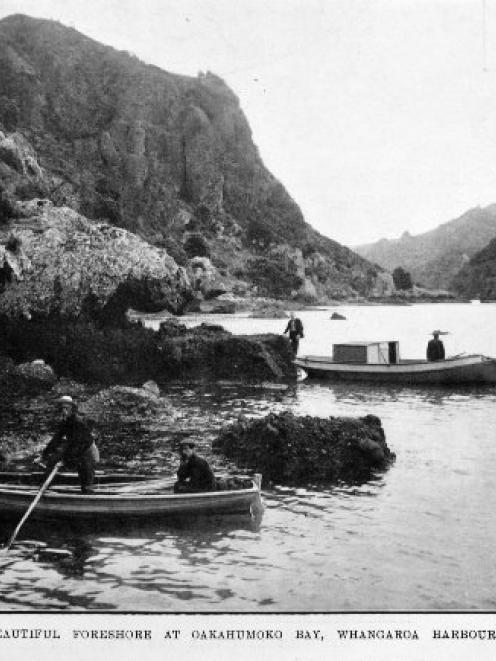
[196, 473]
[294, 328]
[71, 441]
[435, 350]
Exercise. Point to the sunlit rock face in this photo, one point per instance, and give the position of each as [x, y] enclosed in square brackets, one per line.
[58, 262]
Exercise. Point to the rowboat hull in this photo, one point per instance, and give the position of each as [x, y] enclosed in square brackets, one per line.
[123, 502]
[452, 371]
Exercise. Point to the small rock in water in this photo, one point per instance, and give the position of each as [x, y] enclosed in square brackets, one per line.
[152, 387]
[337, 317]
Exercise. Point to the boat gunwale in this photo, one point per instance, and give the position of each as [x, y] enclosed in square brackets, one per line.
[133, 498]
[404, 361]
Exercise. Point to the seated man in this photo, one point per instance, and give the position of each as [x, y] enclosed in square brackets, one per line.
[194, 473]
[435, 348]
[73, 444]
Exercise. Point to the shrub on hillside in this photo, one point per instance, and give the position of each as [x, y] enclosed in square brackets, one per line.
[196, 246]
[402, 279]
[273, 277]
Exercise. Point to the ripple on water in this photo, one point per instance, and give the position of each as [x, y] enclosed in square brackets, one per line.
[419, 536]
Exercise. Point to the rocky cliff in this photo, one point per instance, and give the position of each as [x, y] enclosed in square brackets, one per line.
[434, 258]
[168, 157]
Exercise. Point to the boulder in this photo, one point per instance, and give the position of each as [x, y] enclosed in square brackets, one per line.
[269, 309]
[151, 387]
[36, 374]
[123, 420]
[209, 352]
[122, 405]
[216, 307]
[79, 268]
[205, 278]
[299, 450]
[335, 316]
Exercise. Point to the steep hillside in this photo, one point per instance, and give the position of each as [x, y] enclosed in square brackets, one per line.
[477, 279]
[168, 157]
[434, 258]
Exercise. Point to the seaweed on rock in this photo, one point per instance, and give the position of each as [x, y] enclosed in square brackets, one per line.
[292, 450]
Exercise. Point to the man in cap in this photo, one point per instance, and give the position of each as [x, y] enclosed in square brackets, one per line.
[194, 473]
[73, 444]
[435, 348]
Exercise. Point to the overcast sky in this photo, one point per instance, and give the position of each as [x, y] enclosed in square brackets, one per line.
[377, 115]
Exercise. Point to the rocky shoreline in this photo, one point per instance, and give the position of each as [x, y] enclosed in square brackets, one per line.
[138, 429]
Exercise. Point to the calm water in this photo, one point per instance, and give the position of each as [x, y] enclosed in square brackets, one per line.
[420, 536]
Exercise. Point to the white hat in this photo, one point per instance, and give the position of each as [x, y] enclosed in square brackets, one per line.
[66, 399]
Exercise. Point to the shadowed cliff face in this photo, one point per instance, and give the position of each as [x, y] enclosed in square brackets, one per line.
[477, 279]
[165, 156]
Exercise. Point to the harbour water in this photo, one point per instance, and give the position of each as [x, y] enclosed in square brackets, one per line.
[420, 536]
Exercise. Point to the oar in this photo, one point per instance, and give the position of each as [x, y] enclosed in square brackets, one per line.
[40, 493]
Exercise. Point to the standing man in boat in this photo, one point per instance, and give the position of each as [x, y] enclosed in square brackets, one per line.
[295, 330]
[435, 348]
[194, 473]
[73, 444]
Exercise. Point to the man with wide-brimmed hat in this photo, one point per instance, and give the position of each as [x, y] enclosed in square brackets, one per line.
[194, 473]
[73, 444]
[435, 348]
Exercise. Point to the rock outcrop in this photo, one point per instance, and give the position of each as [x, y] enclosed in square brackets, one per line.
[269, 310]
[55, 261]
[302, 450]
[168, 157]
[123, 420]
[130, 354]
[28, 378]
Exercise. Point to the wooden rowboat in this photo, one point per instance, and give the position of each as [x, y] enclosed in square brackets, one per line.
[118, 497]
[458, 370]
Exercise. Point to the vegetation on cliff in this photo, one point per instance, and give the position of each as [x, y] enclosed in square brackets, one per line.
[168, 157]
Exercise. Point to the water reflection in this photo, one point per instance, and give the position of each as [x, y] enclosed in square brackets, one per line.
[144, 558]
[373, 394]
[417, 537]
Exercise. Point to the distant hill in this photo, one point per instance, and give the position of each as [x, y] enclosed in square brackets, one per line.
[168, 157]
[477, 279]
[435, 257]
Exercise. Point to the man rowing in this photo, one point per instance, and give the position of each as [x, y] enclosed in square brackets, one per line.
[73, 444]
